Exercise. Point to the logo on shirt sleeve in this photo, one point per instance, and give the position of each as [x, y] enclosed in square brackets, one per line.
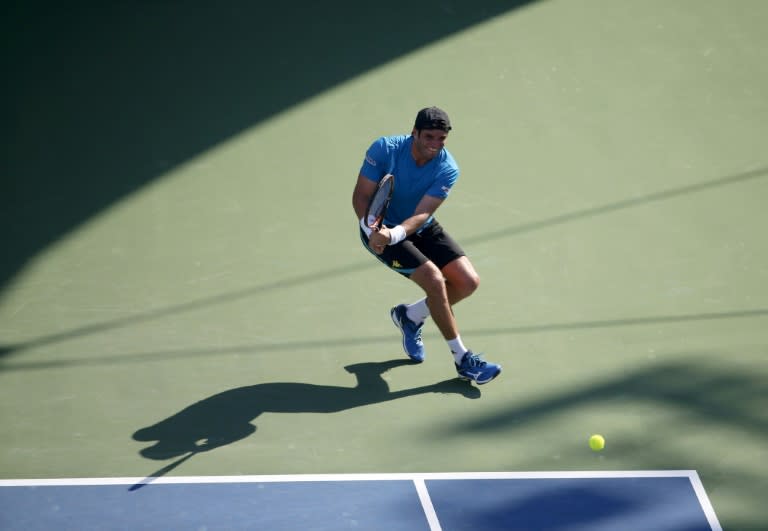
[370, 161]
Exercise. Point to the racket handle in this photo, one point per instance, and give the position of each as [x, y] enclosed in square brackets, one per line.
[366, 228]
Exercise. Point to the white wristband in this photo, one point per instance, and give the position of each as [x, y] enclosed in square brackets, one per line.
[365, 227]
[396, 234]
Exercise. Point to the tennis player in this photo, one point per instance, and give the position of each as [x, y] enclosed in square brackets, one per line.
[413, 243]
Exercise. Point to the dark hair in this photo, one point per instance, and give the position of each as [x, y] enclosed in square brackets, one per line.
[432, 118]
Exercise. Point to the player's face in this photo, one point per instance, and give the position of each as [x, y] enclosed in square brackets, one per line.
[428, 142]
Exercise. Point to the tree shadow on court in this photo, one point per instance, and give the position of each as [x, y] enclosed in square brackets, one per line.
[553, 505]
[716, 395]
[615, 206]
[227, 417]
[319, 275]
[309, 344]
[104, 98]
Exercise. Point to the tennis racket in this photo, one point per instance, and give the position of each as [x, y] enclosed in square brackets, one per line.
[380, 199]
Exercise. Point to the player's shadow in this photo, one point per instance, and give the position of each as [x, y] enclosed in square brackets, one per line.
[227, 417]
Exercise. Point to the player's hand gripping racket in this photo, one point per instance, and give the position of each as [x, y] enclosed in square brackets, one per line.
[377, 208]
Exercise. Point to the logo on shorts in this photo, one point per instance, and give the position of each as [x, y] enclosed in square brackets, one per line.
[396, 264]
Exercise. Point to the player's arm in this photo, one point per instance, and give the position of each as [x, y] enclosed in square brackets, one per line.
[371, 172]
[361, 196]
[429, 203]
[426, 207]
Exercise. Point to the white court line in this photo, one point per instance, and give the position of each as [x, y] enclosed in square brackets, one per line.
[706, 505]
[426, 504]
[287, 478]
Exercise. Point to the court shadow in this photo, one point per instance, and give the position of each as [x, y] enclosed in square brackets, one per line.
[615, 206]
[551, 505]
[315, 276]
[227, 417]
[106, 98]
[726, 396]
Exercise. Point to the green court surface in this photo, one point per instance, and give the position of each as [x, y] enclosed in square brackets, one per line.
[179, 243]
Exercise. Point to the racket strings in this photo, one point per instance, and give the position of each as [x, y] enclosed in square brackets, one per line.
[378, 204]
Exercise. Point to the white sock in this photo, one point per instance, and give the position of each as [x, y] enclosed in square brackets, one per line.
[457, 348]
[418, 311]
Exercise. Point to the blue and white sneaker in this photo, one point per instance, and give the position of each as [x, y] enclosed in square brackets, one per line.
[412, 342]
[476, 369]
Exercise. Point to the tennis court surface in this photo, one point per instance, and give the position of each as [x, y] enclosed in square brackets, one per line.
[658, 500]
[188, 314]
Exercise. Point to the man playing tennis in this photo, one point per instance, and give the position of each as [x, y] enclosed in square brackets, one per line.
[412, 242]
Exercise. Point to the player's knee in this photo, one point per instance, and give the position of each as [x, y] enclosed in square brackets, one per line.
[467, 284]
[431, 280]
[462, 277]
[474, 282]
[435, 286]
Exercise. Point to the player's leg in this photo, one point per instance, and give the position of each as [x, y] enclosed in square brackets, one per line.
[455, 269]
[448, 278]
[461, 279]
[469, 366]
[435, 262]
[404, 259]
[430, 279]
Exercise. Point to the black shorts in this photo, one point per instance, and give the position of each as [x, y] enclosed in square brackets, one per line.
[431, 244]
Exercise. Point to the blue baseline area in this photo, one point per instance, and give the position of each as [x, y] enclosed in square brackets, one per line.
[594, 504]
[321, 506]
[371, 504]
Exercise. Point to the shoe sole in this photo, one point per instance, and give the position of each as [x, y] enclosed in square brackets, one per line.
[478, 382]
[397, 324]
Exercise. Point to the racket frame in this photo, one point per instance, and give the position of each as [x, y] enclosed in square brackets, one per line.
[377, 224]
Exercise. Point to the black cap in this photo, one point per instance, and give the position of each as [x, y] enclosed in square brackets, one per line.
[432, 118]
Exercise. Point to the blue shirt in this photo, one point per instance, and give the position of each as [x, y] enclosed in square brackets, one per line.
[392, 154]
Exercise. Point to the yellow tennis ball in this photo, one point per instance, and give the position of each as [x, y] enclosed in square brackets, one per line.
[597, 442]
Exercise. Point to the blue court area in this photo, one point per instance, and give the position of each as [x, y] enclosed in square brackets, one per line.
[630, 501]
